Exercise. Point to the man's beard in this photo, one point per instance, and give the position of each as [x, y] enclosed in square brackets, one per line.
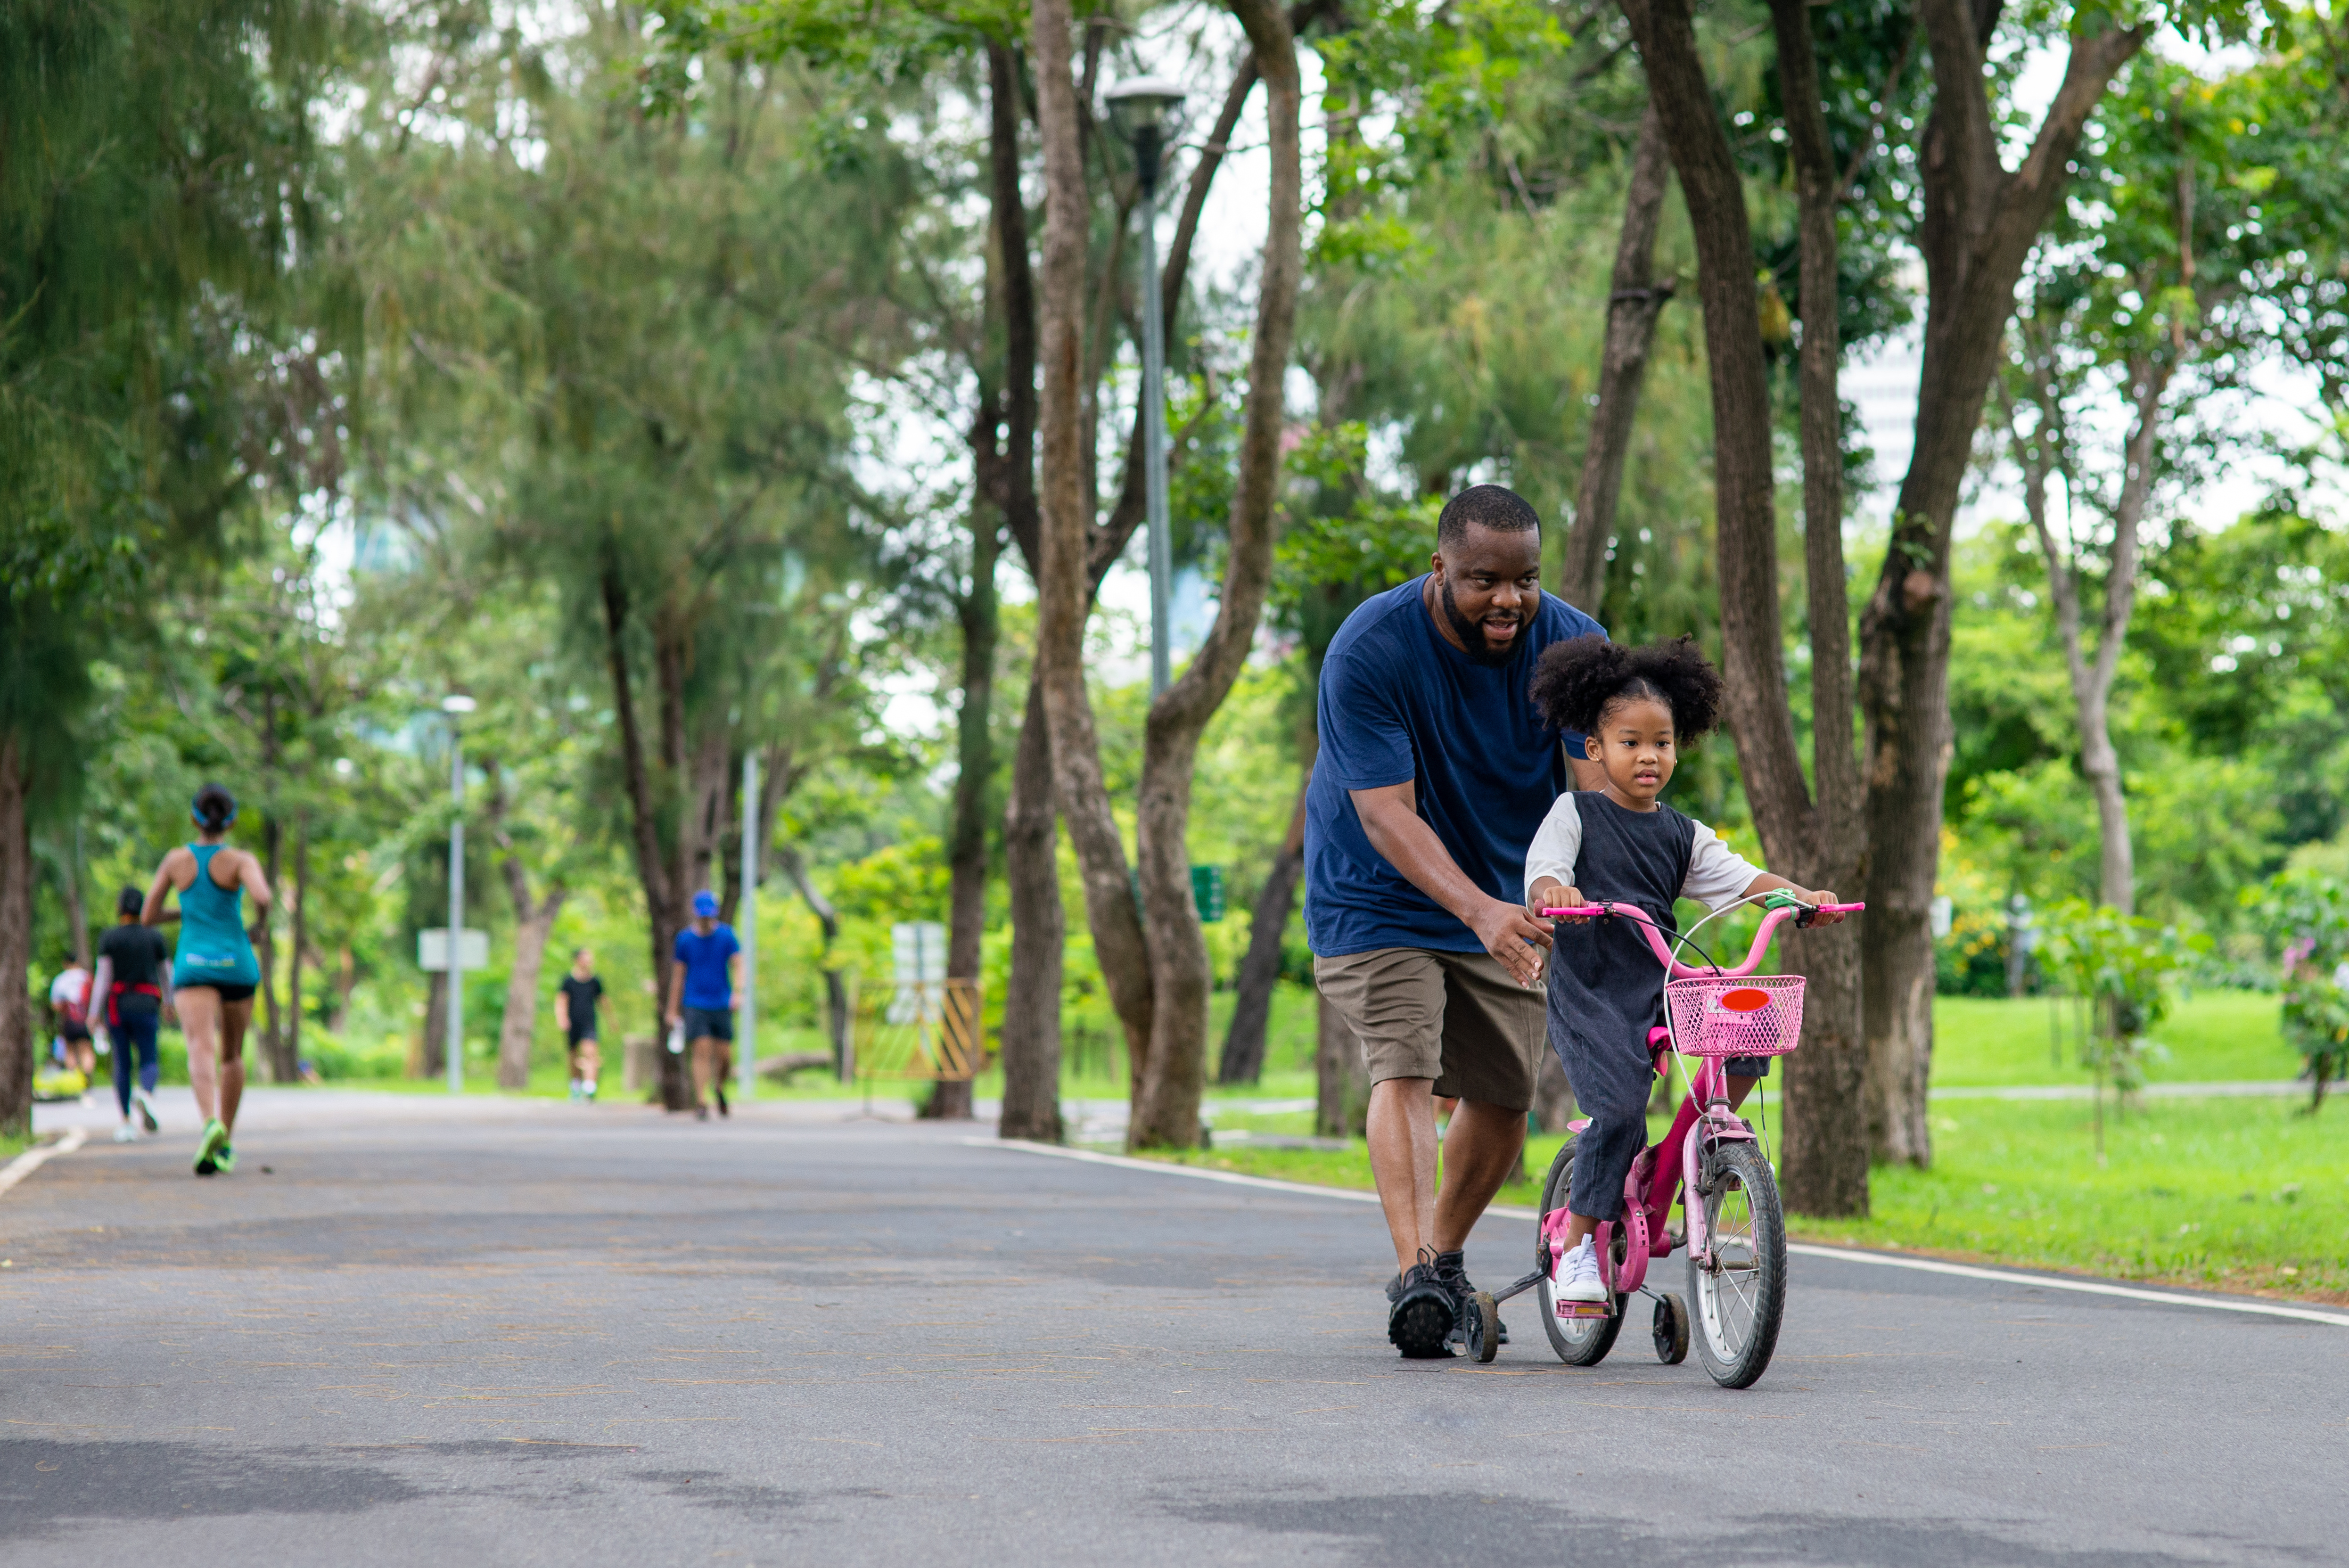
[1471, 634]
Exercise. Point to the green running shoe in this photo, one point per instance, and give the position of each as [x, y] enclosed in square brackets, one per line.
[225, 1160]
[209, 1147]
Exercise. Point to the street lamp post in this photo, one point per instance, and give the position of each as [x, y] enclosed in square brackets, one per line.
[1141, 109]
[456, 706]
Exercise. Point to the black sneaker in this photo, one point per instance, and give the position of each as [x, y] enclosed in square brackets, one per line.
[723, 1108]
[1425, 1312]
[1451, 1269]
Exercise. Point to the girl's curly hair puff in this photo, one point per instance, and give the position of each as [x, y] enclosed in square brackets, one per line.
[1578, 680]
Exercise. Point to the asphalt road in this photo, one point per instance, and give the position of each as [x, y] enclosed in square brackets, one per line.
[524, 1333]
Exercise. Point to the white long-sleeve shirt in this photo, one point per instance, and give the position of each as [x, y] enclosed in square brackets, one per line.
[1717, 875]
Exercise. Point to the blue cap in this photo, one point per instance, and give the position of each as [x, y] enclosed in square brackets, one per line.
[705, 904]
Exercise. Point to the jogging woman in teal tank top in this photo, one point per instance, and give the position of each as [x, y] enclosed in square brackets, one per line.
[213, 974]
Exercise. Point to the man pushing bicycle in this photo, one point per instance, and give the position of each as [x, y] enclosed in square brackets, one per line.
[1433, 774]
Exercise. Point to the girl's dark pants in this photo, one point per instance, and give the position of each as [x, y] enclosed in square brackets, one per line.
[133, 1031]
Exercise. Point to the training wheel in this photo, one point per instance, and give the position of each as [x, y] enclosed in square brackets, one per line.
[1484, 1327]
[1671, 1328]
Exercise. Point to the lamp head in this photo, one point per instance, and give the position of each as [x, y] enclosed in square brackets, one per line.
[1143, 109]
[1144, 103]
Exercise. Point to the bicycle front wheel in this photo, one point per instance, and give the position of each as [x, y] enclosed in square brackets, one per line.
[1741, 1296]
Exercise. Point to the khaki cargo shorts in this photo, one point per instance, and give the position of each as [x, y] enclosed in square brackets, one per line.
[1456, 1018]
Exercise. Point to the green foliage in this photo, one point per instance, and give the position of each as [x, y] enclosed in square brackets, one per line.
[2305, 915]
[2121, 969]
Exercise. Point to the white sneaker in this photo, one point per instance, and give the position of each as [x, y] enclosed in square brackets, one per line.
[1577, 1274]
[126, 1134]
[146, 1111]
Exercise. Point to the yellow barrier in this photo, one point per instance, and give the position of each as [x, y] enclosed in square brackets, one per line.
[920, 1031]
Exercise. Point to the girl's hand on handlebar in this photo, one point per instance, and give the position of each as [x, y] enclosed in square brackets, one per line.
[1823, 917]
[1551, 893]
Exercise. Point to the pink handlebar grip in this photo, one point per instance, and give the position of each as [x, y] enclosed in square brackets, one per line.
[1582, 911]
[1839, 908]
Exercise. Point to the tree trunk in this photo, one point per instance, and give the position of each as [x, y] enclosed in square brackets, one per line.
[16, 943]
[2091, 682]
[1244, 1042]
[1826, 1163]
[661, 899]
[432, 1057]
[1553, 1094]
[1979, 223]
[1635, 299]
[1031, 1005]
[1173, 1072]
[519, 1030]
[1823, 1158]
[1065, 517]
[967, 855]
[77, 912]
[301, 938]
[274, 1048]
[1342, 1078]
[835, 988]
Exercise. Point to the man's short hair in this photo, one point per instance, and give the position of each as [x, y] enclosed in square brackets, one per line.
[1496, 507]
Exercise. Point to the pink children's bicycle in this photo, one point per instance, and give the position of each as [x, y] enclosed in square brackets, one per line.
[1736, 1240]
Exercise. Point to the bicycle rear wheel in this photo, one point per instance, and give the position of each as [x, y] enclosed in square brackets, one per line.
[1740, 1300]
[1582, 1342]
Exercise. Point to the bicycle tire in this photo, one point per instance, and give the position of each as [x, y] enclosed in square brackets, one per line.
[1586, 1344]
[1735, 1307]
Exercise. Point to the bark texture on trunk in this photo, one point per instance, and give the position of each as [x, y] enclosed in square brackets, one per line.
[1031, 1003]
[2092, 680]
[835, 986]
[1980, 221]
[1814, 841]
[1171, 1075]
[1823, 1161]
[1259, 972]
[1635, 298]
[432, 1054]
[967, 850]
[534, 924]
[16, 941]
[1063, 588]
[301, 941]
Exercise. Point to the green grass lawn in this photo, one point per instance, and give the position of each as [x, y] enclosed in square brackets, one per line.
[2211, 1036]
[2242, 1194]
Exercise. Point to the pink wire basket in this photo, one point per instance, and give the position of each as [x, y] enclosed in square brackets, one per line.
[1721, 1015]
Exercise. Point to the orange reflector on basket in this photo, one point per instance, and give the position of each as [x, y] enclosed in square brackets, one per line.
[1745, 999]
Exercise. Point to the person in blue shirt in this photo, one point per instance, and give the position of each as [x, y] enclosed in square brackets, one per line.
[1434, 771]
[701, 1000]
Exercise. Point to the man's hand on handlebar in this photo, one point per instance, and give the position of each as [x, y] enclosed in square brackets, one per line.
[1551, 893]
[1514, 936]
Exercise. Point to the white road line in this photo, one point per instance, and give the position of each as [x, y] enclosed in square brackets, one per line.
[2085, 1287]
[32, 1159]
[1807, 1249]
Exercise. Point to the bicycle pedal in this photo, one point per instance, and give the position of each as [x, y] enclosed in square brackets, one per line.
[1579, 1311]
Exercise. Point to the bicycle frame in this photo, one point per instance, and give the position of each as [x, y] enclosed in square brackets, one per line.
[1704, 1120]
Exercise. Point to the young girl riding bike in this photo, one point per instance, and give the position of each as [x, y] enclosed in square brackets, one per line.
[1620, 844]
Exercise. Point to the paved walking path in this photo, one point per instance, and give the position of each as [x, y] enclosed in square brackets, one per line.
[478, 1331]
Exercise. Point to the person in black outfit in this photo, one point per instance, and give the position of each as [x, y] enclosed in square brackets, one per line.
[575, 1011]
[127, 998]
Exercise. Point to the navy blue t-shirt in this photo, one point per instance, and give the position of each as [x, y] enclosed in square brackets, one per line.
[707, 986]
[1400, 704]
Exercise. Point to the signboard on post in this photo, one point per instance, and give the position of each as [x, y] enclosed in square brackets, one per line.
[432, 949]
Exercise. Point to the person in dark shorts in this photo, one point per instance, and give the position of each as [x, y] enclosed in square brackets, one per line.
[128, 1002]
[69, 1003]
[213, 972]
[1434, 770]
[702, 998]
[574, 1013]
